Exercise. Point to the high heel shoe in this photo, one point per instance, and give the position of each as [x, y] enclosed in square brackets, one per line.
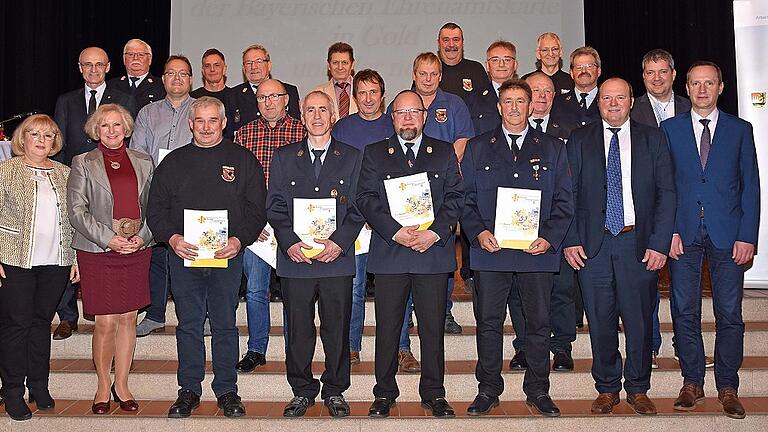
[125, 405]
[43, 399]
[101, 407]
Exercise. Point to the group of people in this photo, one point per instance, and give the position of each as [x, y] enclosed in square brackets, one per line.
[607, 169]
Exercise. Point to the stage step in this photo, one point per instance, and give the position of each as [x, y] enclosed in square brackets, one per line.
[74, 415]
[162, 345]
[754, 309]
[157, 380]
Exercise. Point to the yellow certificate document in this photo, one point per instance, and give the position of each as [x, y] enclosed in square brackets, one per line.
[314, 219]
[410, 200]
[209, 231]
[517, 217]
[267, 249]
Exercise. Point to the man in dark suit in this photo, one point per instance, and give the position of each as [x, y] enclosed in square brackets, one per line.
[659, 102]
[501, 64]
[625, 212]
[407, 260]
[715, 162]
[316, 167]
[515, 155]
[579, 105]
[242, 106]
[138, 82]
[564, 286]
[656, 105]
[72, 110]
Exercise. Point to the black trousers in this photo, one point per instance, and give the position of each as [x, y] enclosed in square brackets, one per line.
[334, 295]
[28, 300]
[429, 296]
[489, 303]
[562, 311]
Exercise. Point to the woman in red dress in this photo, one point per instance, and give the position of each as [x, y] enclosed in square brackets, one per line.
[107, 191]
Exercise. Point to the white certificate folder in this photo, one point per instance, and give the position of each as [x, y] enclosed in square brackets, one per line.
[517, 217]
[209, 231]
[410, 200]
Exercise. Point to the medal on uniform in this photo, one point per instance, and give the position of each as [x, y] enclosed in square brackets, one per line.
[535, 165]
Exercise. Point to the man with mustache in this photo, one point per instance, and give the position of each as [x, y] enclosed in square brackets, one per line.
[341, 68]
[138, 82]
[461, 76]
[579, 105]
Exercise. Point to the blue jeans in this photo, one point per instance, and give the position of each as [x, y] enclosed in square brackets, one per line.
[158, 283]
[196, 290]
[257, 301]
[405, 340]
[357, 319]
[727, 294]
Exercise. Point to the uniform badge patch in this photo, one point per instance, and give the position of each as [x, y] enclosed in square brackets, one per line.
[466, 84]
[228, 173]
[441, 115]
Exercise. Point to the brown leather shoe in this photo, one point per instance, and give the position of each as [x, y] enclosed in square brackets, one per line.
[690, 396]
[641, 404]
[731, 406]
[354, 357]
[604, 403]
[408, 362]
[64, 330]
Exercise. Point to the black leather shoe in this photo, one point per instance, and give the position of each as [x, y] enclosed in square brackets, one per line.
[562, 362]
[185, 403]
[42, 399]
[439, 407]
[543, 405]
[482, 404]
[518, 362]
[297, 407]
[231, 405]
[337, 406]
[17, 409]
[251, 360]
[380, 408]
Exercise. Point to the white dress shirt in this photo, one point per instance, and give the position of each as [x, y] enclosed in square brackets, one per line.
[99, 93]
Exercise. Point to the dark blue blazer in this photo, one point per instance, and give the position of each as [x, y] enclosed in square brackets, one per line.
[292, 176]
[642, 111]
[566, 107]
[653, 188]
[150, 89]
[241, 106]
[385, 160]
[556, 126]
[728, 188]
[484, 110]
[70, 115]
[487, 165]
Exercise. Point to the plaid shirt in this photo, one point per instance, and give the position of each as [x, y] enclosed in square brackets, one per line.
[262, 139]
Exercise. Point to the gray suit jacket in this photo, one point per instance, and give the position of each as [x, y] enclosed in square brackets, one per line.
[90, 199]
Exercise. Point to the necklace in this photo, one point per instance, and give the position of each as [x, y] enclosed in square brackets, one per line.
[114, 165]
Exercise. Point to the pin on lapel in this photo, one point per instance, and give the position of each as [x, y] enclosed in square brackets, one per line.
[336, 153]
[334, 193]
[300, 153]
[429, 149]
[391, 151]
[536, 140]
[485, 92]
[493, 140]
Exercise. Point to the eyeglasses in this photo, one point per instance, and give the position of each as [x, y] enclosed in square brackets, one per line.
[90, 65]
[273, 97]
[408, 111]
[553, 50]
[139, 55]
[180, 74]
[588, 66]
[257, 62]
[42, 136]
[496, 60]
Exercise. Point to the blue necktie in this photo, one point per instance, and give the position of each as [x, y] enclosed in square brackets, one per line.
[614, 213]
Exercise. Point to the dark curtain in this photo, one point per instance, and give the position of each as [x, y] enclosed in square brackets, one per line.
[40, 41]
[623, 31]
